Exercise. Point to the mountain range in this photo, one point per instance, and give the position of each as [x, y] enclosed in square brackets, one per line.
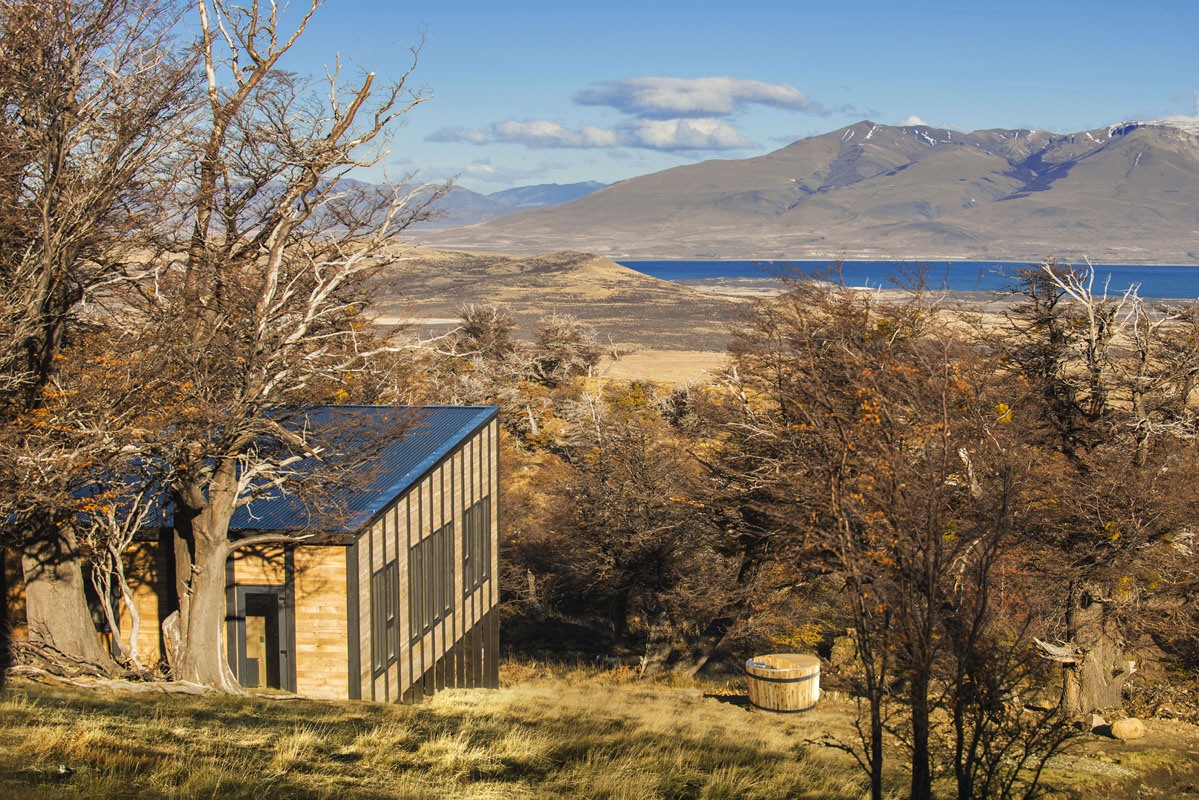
[461, 206]
[1125, 194]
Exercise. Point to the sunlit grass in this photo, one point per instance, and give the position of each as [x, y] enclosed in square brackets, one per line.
[550, 733]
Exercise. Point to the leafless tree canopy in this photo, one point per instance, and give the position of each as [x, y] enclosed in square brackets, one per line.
[192, 195]
[94, 97]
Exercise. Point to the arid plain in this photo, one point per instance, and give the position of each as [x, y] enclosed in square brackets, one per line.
[648, 328]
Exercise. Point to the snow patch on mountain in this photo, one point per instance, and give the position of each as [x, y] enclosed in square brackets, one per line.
[1188, 124]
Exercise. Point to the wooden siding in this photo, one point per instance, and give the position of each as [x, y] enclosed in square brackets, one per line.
[148, 576]
[366, 556]
[321, 654]
[461, 649]
[261, 566]
[322, 650]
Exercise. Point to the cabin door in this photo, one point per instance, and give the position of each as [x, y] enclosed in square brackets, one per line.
[262, 638]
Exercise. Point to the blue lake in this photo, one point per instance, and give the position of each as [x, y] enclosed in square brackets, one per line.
[1179, 282]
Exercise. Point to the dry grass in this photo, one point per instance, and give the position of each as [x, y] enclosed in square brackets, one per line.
[551, 732]
[663, 366]
[548, 734]
[624, 307]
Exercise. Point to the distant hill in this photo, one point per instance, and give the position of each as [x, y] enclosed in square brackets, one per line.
[428, 288]
[1124, 194]
[463, 207]
[544, 194]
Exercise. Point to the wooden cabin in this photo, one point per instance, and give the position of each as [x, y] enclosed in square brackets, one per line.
[393, 597]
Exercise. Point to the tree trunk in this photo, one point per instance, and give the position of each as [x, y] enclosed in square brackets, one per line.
[5, 621]
[1092, 683]
[618, 614]
[55, 604]
[876, 746]
[921, 770]
[201, 552]
[202, 657]
[693, 653]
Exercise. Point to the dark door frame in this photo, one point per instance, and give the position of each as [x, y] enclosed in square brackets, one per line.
[285, 596]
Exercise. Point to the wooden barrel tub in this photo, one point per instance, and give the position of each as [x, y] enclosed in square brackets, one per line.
[783, 683]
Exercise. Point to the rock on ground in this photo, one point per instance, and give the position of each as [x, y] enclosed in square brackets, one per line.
[1129, 728]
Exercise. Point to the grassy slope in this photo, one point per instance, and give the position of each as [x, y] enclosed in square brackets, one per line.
[543, 739]
[564, 734]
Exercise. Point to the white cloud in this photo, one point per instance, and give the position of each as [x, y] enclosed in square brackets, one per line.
[684, 134]
[667, 98]
[544, 133]
[483, 170]
[647, 134]
[468, 135]
[912, 121]
[1188, 121]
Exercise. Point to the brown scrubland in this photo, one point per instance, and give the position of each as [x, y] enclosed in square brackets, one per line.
[967, 504]
[919, 489]
[979, 513]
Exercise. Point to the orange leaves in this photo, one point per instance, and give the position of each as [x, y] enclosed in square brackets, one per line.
[882, 558]
[92, 506]
[868, 406]
[688, 501]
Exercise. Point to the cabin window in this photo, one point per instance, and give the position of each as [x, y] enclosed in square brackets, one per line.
[385, 605]
[431, 588]
[476, 545]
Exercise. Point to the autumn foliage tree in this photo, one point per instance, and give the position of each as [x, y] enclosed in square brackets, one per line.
[870, 441]
[625, 538]
[1106, 395]
[94, 95]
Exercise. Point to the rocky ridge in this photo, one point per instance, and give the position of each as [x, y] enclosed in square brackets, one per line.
[1124, 194]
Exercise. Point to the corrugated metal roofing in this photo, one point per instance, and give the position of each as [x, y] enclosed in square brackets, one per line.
[383, 451]
[372, 455]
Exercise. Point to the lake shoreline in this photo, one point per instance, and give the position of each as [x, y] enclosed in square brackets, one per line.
[990, 281]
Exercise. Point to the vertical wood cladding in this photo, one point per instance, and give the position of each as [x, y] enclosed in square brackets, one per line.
[448, 628]
[148, 570]
[322, 647]
[353, 637]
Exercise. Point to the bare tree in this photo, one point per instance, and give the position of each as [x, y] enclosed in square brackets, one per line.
[623, 539]
[1106, 382]
[93, 93]
[486, 331]
[564, 349]
[262, 311]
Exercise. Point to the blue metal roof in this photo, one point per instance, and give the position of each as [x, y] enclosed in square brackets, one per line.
[379, 453]
[370, 456]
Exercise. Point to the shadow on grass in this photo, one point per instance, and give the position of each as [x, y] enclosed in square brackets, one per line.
[738, 700]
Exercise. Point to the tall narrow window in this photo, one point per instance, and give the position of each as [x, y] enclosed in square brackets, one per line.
[476, 545]
[385, 606]
[431, 589]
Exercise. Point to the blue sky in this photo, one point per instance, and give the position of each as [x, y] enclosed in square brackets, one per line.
[556, 92]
